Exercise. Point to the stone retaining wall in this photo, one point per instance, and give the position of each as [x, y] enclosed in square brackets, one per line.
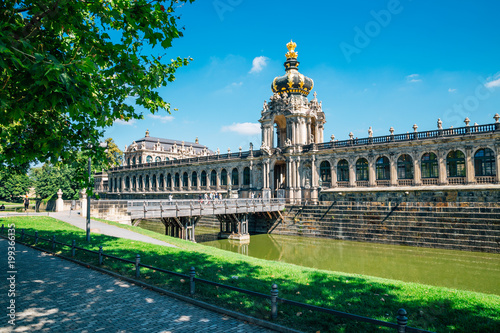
[461, 226]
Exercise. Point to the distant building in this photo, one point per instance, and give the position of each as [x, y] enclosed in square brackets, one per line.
[293, 160]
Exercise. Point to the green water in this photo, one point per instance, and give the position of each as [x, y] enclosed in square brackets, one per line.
[446, 268]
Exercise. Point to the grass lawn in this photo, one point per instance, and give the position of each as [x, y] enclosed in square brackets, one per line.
[431, 308]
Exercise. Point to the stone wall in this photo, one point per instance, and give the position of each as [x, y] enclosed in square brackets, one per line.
[113, 210]
[465, 226]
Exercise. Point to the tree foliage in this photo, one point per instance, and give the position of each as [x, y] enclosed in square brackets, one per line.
[13, 185]
[71, 68]
[48, 179]
[114, 155]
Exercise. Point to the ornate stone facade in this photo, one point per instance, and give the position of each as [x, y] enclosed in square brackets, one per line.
[294, 161]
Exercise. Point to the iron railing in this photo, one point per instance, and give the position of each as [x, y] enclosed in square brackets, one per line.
[400, 326]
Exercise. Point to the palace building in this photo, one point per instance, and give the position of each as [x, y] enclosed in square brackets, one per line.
[294, 161]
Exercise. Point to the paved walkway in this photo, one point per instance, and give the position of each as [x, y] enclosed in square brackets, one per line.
[55, 295]
[96, 226]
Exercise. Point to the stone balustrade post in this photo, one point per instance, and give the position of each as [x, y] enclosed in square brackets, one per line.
[59, 201]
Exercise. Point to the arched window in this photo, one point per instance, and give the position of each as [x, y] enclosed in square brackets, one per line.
[223, 177]
[127, 182]
[120, 185]
[362, 169]
[146, 185]
[177, 180]
[140, 182]
[167, 159]
[153, 182]
[325, 172]
[194, 179]
[213, 178]
[133, 160]
[162, 181]
[235, 179]
[158, 159]
[140, 159]
[134, 183]
[343, 171]
[383, 168]
[203, 179]
[484, 162]
[455, 163]
[405, 167]
[185, 178]
[246, 176]
[429, 165]
[169, 180]
[128, 161]
[149, 159]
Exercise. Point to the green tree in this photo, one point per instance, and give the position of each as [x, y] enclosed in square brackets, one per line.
[48, 179]
[13, 185]
[114, 154]
[71, 68]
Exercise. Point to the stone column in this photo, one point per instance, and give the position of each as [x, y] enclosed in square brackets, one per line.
[442, 168]
[314, 179]
[394, 171]
[497, 161]
[333, 172]
[198, 180]
[417, 173]
[352, 173]
[59, 201]
[83, 203]
[469, 166]
[371, 172]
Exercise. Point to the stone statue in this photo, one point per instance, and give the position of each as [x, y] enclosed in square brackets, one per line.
[370, 132]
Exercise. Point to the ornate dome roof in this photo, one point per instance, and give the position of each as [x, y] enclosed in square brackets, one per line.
[292, 82]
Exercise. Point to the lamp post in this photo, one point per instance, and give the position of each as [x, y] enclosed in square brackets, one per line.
[102, 145]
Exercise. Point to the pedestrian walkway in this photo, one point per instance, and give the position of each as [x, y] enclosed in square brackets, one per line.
[96, 226]
[55, 295]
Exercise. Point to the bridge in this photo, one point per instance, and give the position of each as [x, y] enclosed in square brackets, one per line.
[180, 216]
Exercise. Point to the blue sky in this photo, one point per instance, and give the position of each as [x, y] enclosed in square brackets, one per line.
[374, 63]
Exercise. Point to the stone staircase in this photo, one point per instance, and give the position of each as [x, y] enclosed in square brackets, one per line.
[463, 226]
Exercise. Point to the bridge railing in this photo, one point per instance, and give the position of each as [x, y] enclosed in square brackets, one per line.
[401, 320]
[196, 202]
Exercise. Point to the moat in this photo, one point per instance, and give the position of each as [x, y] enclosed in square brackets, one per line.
[473, 271]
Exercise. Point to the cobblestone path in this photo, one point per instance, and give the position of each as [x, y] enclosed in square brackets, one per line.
[55, 295]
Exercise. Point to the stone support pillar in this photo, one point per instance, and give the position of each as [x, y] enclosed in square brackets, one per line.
[371, 172]
[417, 170]
[442, 168]
[333, 172]
[83, 203]
[469, 166]
[393, 170]
[59, 201]
[352, 173]
[497, 162]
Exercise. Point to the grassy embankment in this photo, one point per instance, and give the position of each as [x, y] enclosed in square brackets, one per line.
[432, 308]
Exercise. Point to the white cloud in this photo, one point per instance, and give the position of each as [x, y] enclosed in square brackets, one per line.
[243, 128]
[413, 78]
[163, 119]
[258, 64]
[131, 122]
[493, 84]
[452, 90]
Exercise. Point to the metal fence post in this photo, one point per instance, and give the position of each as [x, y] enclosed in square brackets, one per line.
[100, 255]
[36, 237]
[53, 242]
[22, 235]
[192, 274]
[137, 267]
[274, 301]
[73, 248]
[402, 320]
